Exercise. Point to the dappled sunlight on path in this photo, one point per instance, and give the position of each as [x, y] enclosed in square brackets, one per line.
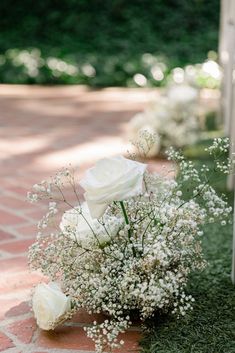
[46, 128]
[41, 130]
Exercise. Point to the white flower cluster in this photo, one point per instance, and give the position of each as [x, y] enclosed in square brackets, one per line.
[218, 150]
[207, 74]
[172, 119]
[135, 257]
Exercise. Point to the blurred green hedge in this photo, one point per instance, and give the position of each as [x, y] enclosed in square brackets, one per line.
[103, 42]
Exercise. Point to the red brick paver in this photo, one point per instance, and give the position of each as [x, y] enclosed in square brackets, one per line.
[41, 130]
[23, 329]
[5, 342]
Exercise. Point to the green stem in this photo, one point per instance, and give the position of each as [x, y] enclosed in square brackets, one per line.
[128, 223]
[124, 212]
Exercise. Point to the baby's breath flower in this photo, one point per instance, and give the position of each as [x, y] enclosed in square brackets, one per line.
[138, 256]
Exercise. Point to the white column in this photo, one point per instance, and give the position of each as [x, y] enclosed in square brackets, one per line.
[227, 60]
[223, 59]
[233, 259]
[231, 180]
[226, 54]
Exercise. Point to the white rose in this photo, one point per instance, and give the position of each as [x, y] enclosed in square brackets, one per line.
[78, 223]
[137, 122]
[49, 303]
[112, 179]
[182, 94]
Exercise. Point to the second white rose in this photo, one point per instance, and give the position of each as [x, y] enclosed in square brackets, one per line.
[78, 224]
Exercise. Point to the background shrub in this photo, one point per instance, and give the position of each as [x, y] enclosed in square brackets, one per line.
[103, 42]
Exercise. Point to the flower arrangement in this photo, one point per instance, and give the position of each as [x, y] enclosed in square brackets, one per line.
[172, 119]
[129, 247]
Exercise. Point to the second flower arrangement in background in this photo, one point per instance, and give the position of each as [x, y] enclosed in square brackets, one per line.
[172, 118]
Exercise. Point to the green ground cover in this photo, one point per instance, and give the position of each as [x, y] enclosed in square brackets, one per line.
[101, 42]
[210, 327]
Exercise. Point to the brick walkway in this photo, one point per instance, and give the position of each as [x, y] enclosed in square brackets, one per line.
[43, 129]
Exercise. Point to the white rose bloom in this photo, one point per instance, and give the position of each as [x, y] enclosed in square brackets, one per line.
[148, 117]
[77, 222]
[112, 179]
[182, 94]
[137, 122]
[49, 303]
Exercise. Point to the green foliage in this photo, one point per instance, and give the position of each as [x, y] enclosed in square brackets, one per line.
[211, 121]
[210, 327]
[112, 36]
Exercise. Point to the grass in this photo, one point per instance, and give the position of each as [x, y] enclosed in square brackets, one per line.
[210, 327]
